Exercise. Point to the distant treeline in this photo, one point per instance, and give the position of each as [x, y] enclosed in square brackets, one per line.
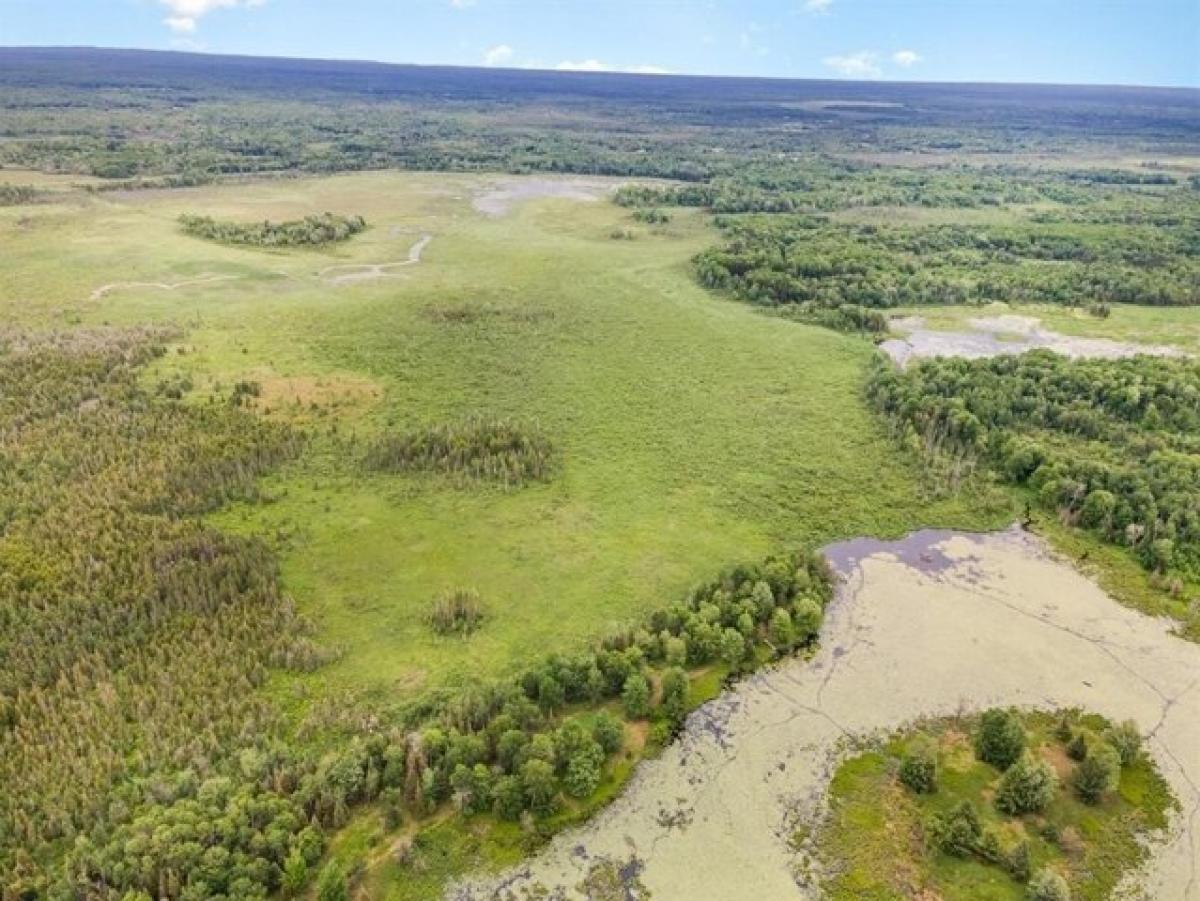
[1109, 445]
[326, 228]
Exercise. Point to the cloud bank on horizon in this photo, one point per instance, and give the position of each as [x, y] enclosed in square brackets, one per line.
[1117, 42]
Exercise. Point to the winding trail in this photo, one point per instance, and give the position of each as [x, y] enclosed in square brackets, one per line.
[931, 625]
[161, 286]
[363, 271]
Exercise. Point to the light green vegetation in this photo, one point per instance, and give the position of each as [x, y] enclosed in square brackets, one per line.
[876, 842]
[692, 430]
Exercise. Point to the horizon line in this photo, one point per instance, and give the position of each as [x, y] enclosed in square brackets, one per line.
[598, 72]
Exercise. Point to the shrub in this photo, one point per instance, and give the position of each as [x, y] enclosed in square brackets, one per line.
[459, 611]
[957, 831]
[1000, 739]
[508, 798]
[583, 770]
[919, 768]
[1047, 885]
[1126, 740]
[1077, 748]
[674, 695]
[635, 695]
[539, 785]
[1019, 862]
[608, 732]
[1026, 787]
[1096, 774]
[331, 886]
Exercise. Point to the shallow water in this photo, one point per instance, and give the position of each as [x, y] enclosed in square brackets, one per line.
[992, 336]
[932, 624]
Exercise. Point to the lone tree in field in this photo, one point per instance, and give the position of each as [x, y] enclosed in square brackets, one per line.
[1000, 739]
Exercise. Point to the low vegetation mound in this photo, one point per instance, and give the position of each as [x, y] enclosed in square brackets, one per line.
[459, 611]
[479, 447]
[327, 228]
[1041, 806]
[14, 195]
[1108, 445]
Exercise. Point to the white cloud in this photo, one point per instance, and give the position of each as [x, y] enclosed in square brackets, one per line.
[863, 64]
[185, 15]
[820, 7]
[498, 55]
[906, 58]
[595, 65]
[462, 4]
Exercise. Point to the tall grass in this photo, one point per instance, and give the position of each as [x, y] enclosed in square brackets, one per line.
[478, 447]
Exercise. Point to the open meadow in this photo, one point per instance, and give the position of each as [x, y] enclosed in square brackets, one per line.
[690, 430]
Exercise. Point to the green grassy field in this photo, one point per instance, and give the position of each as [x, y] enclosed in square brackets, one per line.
[692, 431]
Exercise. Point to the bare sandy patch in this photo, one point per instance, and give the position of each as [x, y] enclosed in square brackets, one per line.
[991, 336]
[499, 198]
[931, 625]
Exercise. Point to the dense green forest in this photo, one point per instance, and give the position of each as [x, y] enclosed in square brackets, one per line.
[326, 228]
[1108, 445]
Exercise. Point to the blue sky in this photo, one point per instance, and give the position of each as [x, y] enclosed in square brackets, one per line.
[1076, 41]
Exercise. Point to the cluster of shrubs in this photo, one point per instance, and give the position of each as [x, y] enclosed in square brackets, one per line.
[326, 228]
[14, 195]
[478, 447]
[1109, 445]
[1027, 785]
[652, 216]
[459, 611]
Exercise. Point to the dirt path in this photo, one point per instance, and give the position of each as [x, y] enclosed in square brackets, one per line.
[161, 286]
[992, 336]
[357, 272]
[352, 272]
[930, 625]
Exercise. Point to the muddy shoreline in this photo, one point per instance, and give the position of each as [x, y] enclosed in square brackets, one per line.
[992, 336]
[930, 625]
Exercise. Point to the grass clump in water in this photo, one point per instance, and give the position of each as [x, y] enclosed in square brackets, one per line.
[479, 447]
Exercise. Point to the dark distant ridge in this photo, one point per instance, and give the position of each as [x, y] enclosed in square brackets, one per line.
[87, 67]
